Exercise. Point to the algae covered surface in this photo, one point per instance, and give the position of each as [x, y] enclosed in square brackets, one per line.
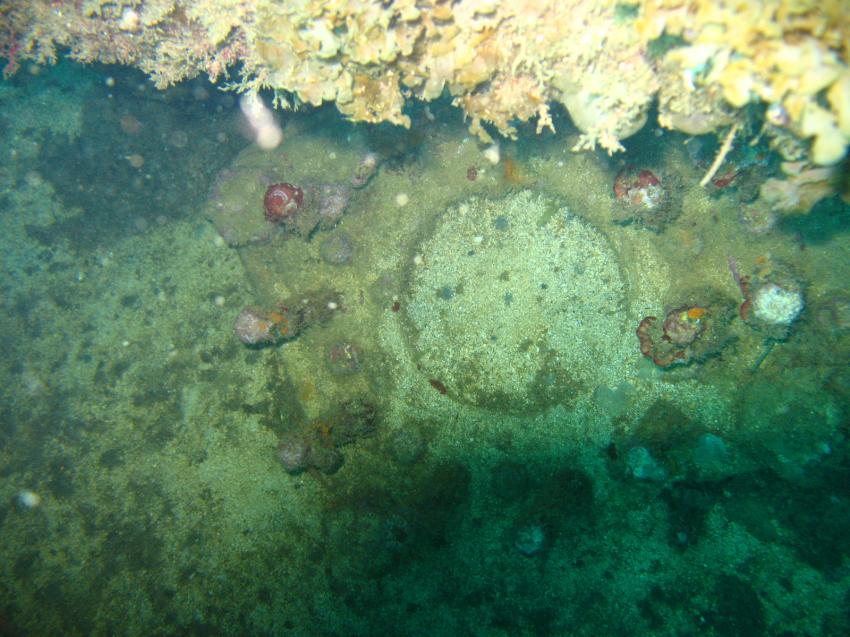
[462, 421]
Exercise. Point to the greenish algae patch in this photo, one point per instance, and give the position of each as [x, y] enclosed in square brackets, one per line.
[149, 432]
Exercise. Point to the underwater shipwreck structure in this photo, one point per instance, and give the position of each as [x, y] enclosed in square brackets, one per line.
[422, 375]
[706, 64]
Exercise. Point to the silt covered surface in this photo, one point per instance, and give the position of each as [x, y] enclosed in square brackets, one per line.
[554, 458]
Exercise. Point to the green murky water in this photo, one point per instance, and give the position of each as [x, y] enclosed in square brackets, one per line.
[473, 442]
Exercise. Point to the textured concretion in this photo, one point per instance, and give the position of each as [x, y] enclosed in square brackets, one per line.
[515, 303]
